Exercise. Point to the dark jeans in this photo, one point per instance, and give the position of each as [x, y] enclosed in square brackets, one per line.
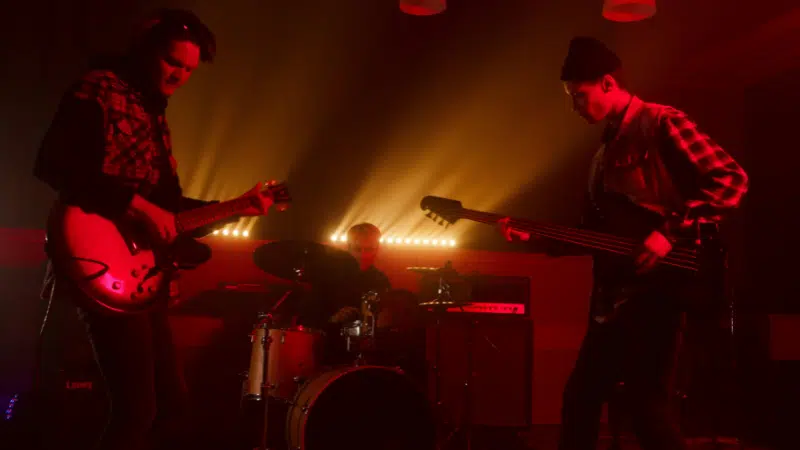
[146, 389]
[637, 348]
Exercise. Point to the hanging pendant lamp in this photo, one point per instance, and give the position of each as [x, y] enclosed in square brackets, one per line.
[423, 7]
[628, 10]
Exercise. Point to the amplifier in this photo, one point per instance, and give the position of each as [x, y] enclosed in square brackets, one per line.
[487, 294]
[494, 336]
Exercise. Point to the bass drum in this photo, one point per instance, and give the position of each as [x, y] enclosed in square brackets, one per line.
[360, 408]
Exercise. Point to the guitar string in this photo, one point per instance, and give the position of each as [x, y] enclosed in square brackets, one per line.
[189, 220]
[677, 258]
[590, 234]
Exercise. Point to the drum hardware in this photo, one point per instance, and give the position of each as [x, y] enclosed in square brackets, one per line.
[452, 292]
[260, 339]
[313, 405]
[315, 420]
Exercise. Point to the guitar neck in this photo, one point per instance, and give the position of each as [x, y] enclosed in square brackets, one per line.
[206, 215]
[592, 240]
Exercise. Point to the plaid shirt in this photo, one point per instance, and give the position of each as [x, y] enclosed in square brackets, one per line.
[660, 160]
[107, 142]
[136, 131]
[724, 181]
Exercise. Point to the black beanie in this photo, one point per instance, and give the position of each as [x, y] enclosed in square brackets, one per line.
[588, 59]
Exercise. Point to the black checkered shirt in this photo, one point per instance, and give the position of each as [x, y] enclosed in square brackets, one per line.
[107, 142]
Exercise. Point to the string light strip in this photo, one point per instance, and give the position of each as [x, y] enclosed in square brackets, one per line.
[229, 233]
[405, 241]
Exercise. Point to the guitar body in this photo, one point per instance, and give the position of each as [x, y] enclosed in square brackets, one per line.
[117, 267]
[109, 262]
[616, 280]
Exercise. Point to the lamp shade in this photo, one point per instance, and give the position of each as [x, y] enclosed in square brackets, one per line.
[628, 10]
[423, 7]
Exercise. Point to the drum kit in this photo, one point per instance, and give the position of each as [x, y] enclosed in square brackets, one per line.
[363, 403]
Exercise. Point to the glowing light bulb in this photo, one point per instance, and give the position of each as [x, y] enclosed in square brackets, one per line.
[236, 232]
[226, 232]
[334, 237]
[452, 243]
[216, 231]
[435, 242]
[245, 233]
[408, 240]
[390, 240]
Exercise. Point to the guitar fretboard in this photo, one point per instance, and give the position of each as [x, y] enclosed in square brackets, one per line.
[200, 217]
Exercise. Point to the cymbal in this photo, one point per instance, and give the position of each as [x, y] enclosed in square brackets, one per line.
[424, 269]
[440, 271]
[443, 304]
[306, 261]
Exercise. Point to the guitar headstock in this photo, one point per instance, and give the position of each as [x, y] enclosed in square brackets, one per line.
[445, 211]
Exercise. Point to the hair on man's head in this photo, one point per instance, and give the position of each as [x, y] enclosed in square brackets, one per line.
[363, 230]
[168, 25]
[589, 59]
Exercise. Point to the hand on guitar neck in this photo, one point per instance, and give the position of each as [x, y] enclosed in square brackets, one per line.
[646, 256]
[510, 233]
[262, 199]
[161, 224]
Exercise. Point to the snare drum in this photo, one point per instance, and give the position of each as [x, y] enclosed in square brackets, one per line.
[360, 408]
[293, 357]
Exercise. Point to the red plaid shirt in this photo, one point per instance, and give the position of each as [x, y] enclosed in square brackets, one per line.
[107, 142]
[661, 161]
[724, 182]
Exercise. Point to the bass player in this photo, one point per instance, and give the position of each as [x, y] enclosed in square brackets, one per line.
[656, 157]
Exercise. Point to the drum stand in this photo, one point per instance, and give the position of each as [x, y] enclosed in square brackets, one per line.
[265, 322]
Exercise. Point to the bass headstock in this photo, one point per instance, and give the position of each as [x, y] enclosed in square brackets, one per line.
[442, 210]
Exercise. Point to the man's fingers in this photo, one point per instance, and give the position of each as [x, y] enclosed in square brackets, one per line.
[649, 262]
[641, 258]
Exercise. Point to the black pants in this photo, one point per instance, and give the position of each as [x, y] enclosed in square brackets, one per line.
[638, 348]
[144, 379]
[145, 382]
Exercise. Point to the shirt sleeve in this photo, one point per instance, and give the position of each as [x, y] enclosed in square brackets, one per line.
[720, 183]
[70, 158]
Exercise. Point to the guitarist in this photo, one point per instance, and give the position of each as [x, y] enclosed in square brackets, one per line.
[108, 150]
[654, 156]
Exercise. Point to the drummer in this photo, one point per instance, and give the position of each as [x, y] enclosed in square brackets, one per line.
[363, 243]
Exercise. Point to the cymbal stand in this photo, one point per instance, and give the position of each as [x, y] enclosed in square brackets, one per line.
[372, 300]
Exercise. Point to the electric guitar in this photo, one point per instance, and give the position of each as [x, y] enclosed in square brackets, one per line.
[617, 228]
[116, 264]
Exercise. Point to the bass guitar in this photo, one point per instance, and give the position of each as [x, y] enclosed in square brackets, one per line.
[617, 229]
[116, 264]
